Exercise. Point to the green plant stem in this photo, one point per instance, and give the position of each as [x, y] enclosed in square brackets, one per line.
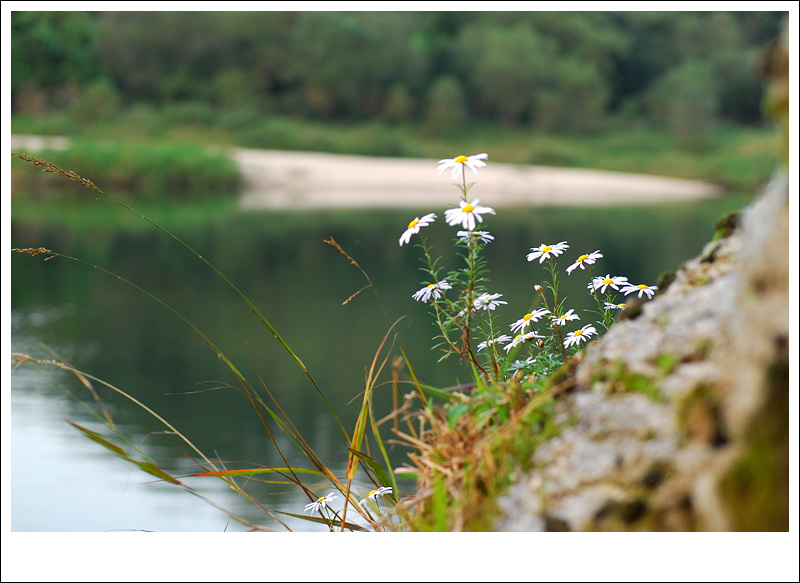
[603, 311]
[556, 307]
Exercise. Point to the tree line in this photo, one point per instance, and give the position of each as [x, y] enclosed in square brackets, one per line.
[553, 71]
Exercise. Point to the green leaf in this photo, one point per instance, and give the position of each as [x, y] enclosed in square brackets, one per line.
[349, 525]
[380, 474]
[447, 396]
[455, 412]
[407, 476]
[251, 471]
[148, 467]
[154, 470]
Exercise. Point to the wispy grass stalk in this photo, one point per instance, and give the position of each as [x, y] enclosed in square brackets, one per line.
[277, 415]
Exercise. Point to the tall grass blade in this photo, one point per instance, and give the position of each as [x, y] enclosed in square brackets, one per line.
[148, 467]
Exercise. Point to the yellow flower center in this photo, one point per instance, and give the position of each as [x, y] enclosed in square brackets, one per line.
[623, 305]
[577, 332]
[641, 286]
[413, 224]
[608, 280]
[371, 493]
[321, 498]
[527, 317]
[546, 249]
[582, 258]
[468, 208]
[431, 285]
[461, 159]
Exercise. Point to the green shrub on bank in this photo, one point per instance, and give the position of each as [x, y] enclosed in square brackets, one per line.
[373, 139]
[169, 171]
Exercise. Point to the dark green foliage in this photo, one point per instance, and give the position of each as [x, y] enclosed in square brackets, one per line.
[509, 68]
[345, 64]
[53, 53]
[446, 106]
[726, 225]
[152, 171]
[560, 71]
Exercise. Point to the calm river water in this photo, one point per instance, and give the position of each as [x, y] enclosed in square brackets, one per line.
[62, 481]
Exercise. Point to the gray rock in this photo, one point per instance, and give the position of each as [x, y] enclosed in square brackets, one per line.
[670, 407]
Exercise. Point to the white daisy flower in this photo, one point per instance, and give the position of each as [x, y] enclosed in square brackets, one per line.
[641, 288]
[563, 318]
[584, 259]
[487, 302]
[432, 289]
[482, 235]
[467, 214]
[611, 306]
[518, 364]
[458, 163]
[373, 495]
[544, 251]
[602, 283]
[321, 502]
[579, 335]
[414, 227]
[487, 343]
[534, 316]
[520, 338]
[517, 339]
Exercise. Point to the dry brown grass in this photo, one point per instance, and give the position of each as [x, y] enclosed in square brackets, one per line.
[463, 464]
[47, 166]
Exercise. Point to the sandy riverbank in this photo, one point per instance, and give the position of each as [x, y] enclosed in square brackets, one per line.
[285, 180]
[301, 180]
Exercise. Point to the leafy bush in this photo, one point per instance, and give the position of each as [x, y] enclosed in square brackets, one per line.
[447, 106]
[147, 171]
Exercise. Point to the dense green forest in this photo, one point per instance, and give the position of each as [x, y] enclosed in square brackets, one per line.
[570, 72]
